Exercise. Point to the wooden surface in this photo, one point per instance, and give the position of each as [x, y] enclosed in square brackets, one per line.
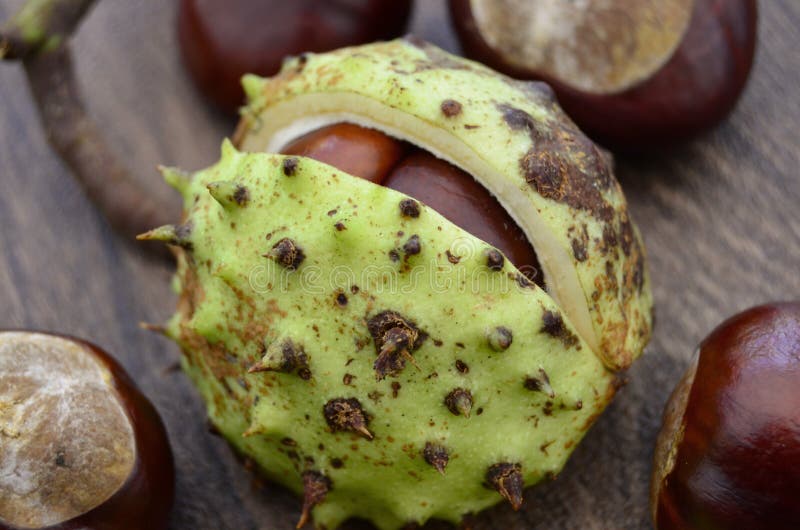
[720, 219]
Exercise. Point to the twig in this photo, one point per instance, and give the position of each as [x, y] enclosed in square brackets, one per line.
[38, 36]
[41, 25]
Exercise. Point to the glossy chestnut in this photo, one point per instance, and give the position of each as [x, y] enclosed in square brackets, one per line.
[82, 447]
[635, 75]
[374, 156]
[359, 151]
[728, 455]
[221, 40]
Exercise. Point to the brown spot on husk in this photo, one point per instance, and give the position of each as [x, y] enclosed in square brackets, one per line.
[553, 324]
[554, 177]
[579, 249]
[462, 367]
[346, 414]
[609, 237]
[540, 383]
[459, 402]
[437, 456]
[241, 195]
[396, 338]
[412, 246]
[287, 357]
[626, 235]
[494, 259]
[290, 166]
[500, 338]
[409, 208]
[450, 108]
[562, 164]
[287, 253]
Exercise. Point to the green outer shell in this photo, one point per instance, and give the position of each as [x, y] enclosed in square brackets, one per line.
[235, 303]
[512, 137]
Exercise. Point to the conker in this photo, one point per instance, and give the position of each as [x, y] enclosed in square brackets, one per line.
[356, 150]
[635, 75]
[377, 157]
[221, 40]
[80, 446]
[728, 455]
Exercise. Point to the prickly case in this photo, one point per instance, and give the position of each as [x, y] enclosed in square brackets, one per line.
[398, 385]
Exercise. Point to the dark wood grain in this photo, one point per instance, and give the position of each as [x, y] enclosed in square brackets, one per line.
[720, 218]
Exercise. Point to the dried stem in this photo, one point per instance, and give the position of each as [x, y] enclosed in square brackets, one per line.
[38, 36]
[41, 25]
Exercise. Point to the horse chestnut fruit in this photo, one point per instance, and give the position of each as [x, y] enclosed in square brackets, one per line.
[80, 446]
[221, 40]
[728, 455]
[335, 326]
[633, 74]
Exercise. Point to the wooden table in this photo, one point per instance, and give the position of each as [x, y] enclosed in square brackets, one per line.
[720, 218]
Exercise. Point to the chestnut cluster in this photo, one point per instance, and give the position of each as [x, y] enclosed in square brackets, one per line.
[635, 75]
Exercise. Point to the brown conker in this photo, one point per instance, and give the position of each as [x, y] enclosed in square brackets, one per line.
[635, 75]
[221, 40]
[728, 455]
[375, 156]
[81, 447]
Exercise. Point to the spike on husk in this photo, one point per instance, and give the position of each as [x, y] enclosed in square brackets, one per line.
[283, 356]
[227, 150]
[396, 338]
[155, 328]
[252, 85]
[437, 456]
[315, 487]
[177, 178]
[540, 383]
[346, 414]
[507, 480]
[459, 402]
[229, 194]
[177, 235]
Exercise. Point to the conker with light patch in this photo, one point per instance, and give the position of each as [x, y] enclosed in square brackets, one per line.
[80, 446]
[221, 40]
[635, 75]
[728, 455]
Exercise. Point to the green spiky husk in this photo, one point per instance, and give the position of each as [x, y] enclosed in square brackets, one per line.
[235, 303]
[512, 137]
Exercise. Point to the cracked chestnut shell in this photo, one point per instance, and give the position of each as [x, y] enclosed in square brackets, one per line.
[634, 74]
[80, 446]
[728, 455]
[221, 40]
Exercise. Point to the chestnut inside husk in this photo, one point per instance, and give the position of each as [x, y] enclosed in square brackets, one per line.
[375, 156]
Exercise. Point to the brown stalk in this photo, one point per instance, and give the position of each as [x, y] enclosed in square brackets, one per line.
[37, 35]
